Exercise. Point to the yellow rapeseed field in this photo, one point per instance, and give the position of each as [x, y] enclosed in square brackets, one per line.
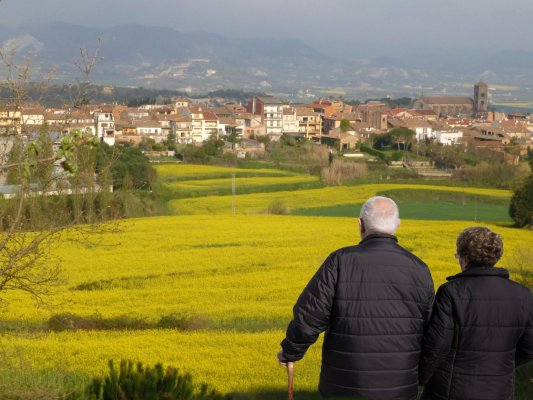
[241, 273]
[329, 196]
[193, 171]
[207, 185]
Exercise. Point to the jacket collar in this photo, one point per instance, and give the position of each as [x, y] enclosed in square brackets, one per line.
[379, 236]
[481, 271]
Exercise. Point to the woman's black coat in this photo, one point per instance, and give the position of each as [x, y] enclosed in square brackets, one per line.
[480, 330]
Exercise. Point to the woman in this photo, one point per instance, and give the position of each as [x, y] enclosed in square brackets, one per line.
[481, 327]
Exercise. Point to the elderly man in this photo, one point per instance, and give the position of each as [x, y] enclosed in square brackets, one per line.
[373, 300]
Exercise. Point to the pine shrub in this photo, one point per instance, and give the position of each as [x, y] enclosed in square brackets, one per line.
[133, 381]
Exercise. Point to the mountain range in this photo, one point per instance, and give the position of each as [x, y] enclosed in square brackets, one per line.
[198, 62]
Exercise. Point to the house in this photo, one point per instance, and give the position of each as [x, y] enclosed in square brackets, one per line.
[235, 108]
[309, 123]
[181, 127]
[514, 129]
[181, 102]
[204, 124]
[134, 113]
[32, 116]
[104, 124]
[164, 122]
[242, 119]
[270, 110]
[149, 128]
[327, 107]
[426, 115]
[10, 120]
[251, 148]
[374, 113]
[335, 119]
[448, 138]
[126, 132]
[228, 126]
[291, 125]
[211, 125]
[340, 141]
[423, 129]
[251, 124]
[490, 134]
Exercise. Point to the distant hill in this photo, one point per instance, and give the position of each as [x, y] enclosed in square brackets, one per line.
[199, 62]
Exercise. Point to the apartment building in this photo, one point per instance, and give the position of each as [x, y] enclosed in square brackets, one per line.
[270, 110]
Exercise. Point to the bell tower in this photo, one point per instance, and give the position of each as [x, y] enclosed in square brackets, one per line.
[481, 97]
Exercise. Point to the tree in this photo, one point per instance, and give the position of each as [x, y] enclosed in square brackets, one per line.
[401, 135]
[521, 207]
[126, 163]
[345, 125]
[54, 189]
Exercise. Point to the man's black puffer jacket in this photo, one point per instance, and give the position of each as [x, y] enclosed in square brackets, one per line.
[481, 328]
[372, 300]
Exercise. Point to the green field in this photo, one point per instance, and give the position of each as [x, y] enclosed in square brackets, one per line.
[429, 205]
[229, 280]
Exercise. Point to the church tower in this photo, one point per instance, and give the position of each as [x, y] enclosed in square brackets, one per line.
[481, 97]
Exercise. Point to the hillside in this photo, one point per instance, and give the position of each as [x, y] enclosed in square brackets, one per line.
[199, 62]
[210, 292]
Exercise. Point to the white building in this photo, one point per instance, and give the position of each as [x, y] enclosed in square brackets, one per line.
[448, 138]
[105, 126]
[271, 111]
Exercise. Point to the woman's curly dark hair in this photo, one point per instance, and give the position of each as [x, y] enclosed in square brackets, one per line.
[479, 246]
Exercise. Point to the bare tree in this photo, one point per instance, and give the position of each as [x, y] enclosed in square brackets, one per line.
[55, 184]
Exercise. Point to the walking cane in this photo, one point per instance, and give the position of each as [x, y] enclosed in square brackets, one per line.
[290, 373]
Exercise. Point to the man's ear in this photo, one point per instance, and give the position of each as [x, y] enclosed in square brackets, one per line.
[362, 228]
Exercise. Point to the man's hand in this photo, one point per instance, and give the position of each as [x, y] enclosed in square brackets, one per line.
[281, 359]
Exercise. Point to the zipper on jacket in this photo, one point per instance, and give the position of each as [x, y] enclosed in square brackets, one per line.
[455, 348]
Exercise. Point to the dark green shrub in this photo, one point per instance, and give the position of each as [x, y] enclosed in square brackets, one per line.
[137, 382]
[278, 207]
[521, 207]
[184, 322]
[72, 322]
[395, 156]
[374, 152]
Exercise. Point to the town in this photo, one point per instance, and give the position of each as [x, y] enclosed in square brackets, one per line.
[444, 120]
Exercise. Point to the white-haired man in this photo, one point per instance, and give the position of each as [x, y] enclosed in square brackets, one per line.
[372, 300]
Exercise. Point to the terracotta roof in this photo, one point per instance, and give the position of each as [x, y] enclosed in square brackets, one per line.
[305, 111]
[146, 123]
[227, 120]
[182, 118]
[208, 115]
[338, 116]
[33, 111]
[447, 100]
[268, 100]
[288, 111]
[220, 110]
[424, 112]
[396, 111]
[410, 123]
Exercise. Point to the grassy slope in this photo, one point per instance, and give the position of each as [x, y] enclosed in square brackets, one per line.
[242, 272]
[430, 205]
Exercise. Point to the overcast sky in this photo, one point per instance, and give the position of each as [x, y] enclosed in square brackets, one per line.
[327, 24]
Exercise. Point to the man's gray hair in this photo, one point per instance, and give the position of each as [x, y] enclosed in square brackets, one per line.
[380, 215]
